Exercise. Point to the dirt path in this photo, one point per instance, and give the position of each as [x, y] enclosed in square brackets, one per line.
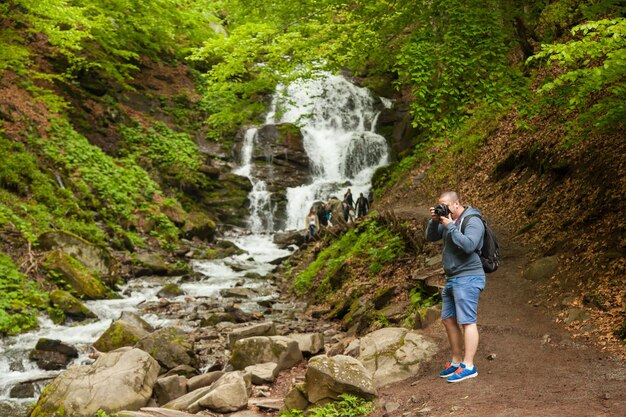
[537, 371]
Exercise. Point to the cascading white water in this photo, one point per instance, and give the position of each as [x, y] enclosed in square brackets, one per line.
[337, 121]
[261, 210]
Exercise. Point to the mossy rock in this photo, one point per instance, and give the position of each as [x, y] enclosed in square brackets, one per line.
[64, 269]
[121, 333]
[150, 263]
[199, 225]
[70, 305]
[170, 290]
[170, 347]
[94, 258]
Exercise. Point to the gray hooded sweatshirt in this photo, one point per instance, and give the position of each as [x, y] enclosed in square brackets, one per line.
[460, 250]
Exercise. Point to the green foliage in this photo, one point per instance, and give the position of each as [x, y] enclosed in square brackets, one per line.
[109, 36]
[164, 152]
[348, 406]
[593, 82]
[454, 60]
[119, 189]
[20, 299]
[368, 244]
[34, 202]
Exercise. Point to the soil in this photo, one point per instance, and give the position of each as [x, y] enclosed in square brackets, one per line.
[528, 364]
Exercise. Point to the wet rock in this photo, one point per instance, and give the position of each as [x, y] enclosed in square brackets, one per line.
[394, 354]
[70, 305]
[23, 390]
[260, 329]
[76, 276]
[51, 354]
[229, 393]
[119, 334]
[541, 269]
[259, 349]
[170, 347]
[118, 380]
[326, 378]
[170, 290]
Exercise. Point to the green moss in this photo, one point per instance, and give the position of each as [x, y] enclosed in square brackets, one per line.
[118, 335]
[66, 271]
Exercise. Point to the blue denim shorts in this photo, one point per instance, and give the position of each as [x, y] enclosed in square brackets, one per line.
[460, 298]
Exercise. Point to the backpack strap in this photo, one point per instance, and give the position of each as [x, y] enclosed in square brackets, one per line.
[464, 223]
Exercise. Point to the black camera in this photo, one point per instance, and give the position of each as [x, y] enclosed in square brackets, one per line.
[442, 210]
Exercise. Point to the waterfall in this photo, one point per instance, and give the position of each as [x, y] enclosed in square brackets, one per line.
[337, 120]
[261, 211]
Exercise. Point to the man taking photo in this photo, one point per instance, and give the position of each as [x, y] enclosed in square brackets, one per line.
[465, 279]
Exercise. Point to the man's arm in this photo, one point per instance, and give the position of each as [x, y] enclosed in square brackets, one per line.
[434, 231]
[469, 241]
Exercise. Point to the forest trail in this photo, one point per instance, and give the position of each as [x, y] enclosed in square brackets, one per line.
[537, 370]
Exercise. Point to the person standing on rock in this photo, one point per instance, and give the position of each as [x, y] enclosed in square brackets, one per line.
[348, 198]
[465, 279]
[312, 222]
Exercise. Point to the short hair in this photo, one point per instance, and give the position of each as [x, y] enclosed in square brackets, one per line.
[450, 196]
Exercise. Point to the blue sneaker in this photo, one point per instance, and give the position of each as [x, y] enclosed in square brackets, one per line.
[450, 369]
[462, 373]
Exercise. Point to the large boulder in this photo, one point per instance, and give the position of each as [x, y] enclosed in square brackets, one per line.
[52, 354]
[170, 347]
[229, 393]
[70, 305]
[260, 349]
[119, 334]
[94, 258]
[64, 268]
[326, 378]
[119, 380]
[393, 354]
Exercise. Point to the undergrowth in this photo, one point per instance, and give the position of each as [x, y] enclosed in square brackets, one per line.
[20, 299]
[348, 406]
[369, 243]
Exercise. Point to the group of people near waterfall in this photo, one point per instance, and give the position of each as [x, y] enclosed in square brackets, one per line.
[320, 214]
